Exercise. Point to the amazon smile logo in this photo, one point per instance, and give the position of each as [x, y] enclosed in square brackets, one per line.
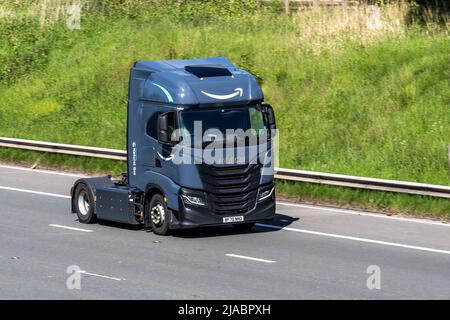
[237, 92]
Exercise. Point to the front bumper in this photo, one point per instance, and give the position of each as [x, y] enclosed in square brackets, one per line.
[192, 216]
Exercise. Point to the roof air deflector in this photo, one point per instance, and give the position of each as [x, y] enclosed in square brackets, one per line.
[207, 71]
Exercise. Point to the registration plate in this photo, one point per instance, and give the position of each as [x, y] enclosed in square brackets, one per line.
[233, 219]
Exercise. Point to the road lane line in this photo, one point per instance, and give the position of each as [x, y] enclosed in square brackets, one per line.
[100, 275]
[43, 171]
[69, 228]
[249, 258]
[35, 192]
[362, 213]
[332, 235]
[283, 203]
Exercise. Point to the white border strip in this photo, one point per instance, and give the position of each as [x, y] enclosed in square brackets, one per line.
[249, 258]
[43, 171]
[35, 192]
[362, 213]
[100, 275]
[69, 228]
[283, 203]
[332, 235]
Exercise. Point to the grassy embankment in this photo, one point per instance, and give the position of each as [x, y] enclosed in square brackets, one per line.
[349, 98]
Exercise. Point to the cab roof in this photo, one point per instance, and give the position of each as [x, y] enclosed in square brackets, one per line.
[208, 81]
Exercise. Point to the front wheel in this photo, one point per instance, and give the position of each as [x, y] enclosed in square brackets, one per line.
[84, 204]
[159, 215]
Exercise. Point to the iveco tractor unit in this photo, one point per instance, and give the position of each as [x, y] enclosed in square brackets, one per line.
[199, 151]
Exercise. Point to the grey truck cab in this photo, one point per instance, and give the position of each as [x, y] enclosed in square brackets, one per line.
[199, 149]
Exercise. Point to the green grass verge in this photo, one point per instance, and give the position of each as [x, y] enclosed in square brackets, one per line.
[347, 101]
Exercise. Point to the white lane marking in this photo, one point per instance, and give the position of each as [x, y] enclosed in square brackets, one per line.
[283, 203]
[362, 213]
[100, 275]
[249, 258]
[43, 171]
[69, 228]
[35, 192]
[332, 235]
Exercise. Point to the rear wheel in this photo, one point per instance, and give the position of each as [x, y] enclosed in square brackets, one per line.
[84, 204]
[159, 215]
[244, 226]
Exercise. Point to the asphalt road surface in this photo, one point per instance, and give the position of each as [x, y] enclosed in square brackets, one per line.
[307, 252]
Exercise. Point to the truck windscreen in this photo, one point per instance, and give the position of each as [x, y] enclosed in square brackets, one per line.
[222, 119]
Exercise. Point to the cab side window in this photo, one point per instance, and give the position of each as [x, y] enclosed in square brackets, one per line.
[152, 126]
[172, 125]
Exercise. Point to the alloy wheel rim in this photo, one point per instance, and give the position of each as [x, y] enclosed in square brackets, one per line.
[158, 215]
[83, 203]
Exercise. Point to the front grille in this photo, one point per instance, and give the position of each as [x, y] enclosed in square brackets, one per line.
[232, 204]
[231, 190]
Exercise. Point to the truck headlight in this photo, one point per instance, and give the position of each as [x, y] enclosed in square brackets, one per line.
[195, 200]
[265, 194]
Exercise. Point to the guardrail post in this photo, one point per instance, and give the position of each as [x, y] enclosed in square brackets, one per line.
[286, 6]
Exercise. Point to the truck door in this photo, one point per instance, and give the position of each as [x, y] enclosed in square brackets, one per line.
[156, 156]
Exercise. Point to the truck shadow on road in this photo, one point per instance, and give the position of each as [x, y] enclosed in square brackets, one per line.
[278, 222]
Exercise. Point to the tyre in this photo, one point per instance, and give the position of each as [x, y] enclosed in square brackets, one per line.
[244, 226]
[159, 215]
[84, 204]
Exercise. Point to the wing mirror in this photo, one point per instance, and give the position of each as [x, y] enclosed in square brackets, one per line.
[166, 126]
[268, 110]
